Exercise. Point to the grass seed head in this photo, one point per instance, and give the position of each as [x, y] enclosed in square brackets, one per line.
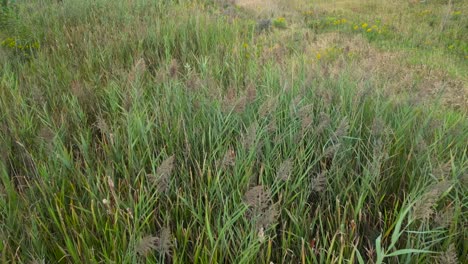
[378, 127]
[162, 178]
[261, 234]
[165, 169]
[423, 208]
[294, 104]
[421, 145]
[229, 158]
[174, 68]
[47, 136]
[267, 107]
[250, 136]
[193, 83]
[146, 245]
[324, 123]
[319, 182]
[306, 111]
[272, 126]
[443, 171]
[165, 241]
[251, 93]
[78, 90]
[241, 104]
[449, 256]
[342, 129]
[306, 122]
[331, 150]
[137, 70]
[285, 170]
[269, 217]
[38, 261]
[101, 124]
[162, 243]
[258, 198]
[444, 218]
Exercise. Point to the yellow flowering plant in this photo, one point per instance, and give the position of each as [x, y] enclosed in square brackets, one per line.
[20, 47]
[280, 22]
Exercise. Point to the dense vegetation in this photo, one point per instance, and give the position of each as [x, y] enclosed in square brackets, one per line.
[215, 132]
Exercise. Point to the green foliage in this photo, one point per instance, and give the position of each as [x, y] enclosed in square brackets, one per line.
[143, 132]
[15, 35]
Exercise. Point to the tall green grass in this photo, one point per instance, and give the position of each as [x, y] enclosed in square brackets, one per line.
[144, 131]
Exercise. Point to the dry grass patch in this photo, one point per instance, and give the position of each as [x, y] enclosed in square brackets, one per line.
[390, 70]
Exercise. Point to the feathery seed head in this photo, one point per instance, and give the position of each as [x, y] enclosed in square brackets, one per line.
[268, 217]
[137, 70]
[445, 217]
[443, 171]
[267, 107]
[324, 123]
[449, 256]
[162, 243]
[165, 241]
[261, 235]
[378, 127]
[423, 208]
[162, 178]
[306, 111]
[174, 68]
[331, 150]
[251, 93]
[319, 182]
[306, 122]
[342, 129]
[258, 198]
[250, 136]
[285, 170]
[229, 158]
[272, 126]
[102, 125]
[110, 182]
[166, 167]
[146, 245]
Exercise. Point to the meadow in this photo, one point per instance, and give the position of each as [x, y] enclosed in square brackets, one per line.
[244, 131]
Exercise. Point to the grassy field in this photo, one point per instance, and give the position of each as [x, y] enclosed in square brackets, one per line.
[214, 131]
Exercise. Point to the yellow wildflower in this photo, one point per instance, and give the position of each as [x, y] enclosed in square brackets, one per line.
[318, 56]
[369, 30]
[356, 27]
[364, 25]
